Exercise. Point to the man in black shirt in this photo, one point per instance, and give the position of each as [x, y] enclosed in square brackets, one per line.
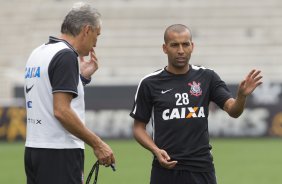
[176, 99]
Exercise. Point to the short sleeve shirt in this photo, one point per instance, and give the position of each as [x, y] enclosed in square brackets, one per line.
[178, 107]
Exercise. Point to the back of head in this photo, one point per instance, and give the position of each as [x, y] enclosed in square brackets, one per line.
[178, 28]
[80, 15]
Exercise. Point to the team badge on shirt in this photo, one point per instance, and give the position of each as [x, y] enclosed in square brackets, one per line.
[195, 88]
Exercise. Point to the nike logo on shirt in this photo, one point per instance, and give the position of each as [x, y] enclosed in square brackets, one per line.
[28, 89]
[163, 92]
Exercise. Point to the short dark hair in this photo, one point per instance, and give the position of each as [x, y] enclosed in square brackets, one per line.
[179, 28]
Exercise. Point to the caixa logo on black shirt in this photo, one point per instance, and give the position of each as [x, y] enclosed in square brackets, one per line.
[183, 113]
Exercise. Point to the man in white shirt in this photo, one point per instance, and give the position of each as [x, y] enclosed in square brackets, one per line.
[54, 92]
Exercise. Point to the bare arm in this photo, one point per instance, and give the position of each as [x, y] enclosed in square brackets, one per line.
[235, 107]
[140, 134]
[70, 121]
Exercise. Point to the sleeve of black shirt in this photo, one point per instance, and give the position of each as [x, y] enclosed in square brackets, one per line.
[142, 108]
[64, 72]
[219, 91]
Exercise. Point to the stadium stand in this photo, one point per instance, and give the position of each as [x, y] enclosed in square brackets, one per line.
[230, 37]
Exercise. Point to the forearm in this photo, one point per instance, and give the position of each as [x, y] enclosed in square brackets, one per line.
[73, 124]
[140, 134]
[144, 139]
[235, 107]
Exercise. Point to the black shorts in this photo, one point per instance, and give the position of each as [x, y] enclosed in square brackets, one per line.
[56, 166]
[169, 176]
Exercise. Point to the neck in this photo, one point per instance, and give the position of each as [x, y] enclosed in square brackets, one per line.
[175, 70]
[71, 40]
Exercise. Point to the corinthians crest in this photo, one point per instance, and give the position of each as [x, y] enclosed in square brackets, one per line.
[195, 88]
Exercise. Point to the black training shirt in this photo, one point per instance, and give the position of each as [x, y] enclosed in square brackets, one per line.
[178, 107]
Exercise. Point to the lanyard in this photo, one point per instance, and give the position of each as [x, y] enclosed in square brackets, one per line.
[95, 168]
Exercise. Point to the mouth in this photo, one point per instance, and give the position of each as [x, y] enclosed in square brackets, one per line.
[181, 59]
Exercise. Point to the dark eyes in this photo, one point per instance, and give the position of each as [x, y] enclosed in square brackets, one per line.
[186, 44]
[174, 45]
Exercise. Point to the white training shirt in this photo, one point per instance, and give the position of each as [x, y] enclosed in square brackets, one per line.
[52, 67]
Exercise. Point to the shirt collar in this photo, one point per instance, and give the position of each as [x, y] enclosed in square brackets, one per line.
[53, 39]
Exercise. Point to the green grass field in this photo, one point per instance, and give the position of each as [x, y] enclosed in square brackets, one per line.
[237, 161]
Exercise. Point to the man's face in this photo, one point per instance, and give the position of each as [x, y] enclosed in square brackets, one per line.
[90, 39]
[178, 49]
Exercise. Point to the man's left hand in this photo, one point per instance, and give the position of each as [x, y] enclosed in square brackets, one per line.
[250, 83]
[88, 68]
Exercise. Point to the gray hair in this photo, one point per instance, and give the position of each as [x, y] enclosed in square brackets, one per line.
[80, 15]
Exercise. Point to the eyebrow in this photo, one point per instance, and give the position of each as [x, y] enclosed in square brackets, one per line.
[174, 42]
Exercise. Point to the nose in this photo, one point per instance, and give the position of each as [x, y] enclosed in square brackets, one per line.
[180, 50]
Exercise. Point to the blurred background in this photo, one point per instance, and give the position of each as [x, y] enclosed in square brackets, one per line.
[231, 37]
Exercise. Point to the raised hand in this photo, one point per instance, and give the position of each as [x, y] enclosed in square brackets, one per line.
[249, 84]
[88, 68]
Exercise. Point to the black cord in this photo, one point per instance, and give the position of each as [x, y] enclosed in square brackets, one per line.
[94, 167]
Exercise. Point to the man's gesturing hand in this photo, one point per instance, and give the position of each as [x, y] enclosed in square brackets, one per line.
[164, 159]
[249, 84]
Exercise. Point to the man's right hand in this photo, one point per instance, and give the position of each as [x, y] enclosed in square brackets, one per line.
[164, 159]
[104, 154]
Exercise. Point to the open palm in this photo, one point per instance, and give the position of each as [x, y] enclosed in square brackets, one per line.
[250, 83]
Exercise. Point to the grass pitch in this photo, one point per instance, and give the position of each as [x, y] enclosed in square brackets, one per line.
[237, 161]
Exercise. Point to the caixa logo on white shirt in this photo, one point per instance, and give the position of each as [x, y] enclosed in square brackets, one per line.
[32, 72]
[29, 104]
[34, 121]
[183, 113]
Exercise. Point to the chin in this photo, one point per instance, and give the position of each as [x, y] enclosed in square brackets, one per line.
[181, 65]
[86, 54]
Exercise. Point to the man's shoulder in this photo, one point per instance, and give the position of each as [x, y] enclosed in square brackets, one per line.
[153, 75]
[202, 69]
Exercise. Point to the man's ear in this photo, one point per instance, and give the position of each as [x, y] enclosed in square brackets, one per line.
[164, 48]
[86, 29]
[192, 46]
